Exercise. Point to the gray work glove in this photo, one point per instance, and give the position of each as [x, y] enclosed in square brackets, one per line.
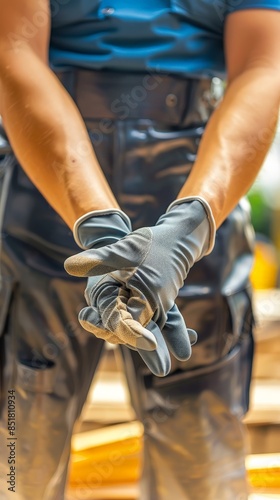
[147, 268]
[95, 230]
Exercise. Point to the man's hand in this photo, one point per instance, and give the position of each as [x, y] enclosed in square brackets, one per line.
[147, 268]
[108, 318]
[97, 229]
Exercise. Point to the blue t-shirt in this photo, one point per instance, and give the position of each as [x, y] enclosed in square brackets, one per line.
[172, 36]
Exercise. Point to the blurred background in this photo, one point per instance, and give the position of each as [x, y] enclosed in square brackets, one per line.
[106, 447]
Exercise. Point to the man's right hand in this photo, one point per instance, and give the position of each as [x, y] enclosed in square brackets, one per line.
[108, 318]
[94, 230]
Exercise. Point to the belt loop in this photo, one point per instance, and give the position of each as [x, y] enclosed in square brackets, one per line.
[200, 102]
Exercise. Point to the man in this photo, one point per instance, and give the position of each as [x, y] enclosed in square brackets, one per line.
[141, 77]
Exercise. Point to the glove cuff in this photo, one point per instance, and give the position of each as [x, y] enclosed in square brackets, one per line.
[101, 227]
[209, 214]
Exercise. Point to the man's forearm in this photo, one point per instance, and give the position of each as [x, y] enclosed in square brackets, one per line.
[236, 141]
[49, 138]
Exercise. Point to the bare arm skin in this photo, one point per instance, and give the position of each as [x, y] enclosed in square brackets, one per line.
[240, 132]
[44, 126]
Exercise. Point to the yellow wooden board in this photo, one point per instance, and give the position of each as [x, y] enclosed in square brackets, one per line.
[107, 456]
[112, 456]
[264, 471]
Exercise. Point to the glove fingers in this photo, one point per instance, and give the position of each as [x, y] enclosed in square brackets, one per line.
[193, 336]
[117, 319]
[124, 254]
[90, 320]
[177, 336]
[110, 300]
[158, 361]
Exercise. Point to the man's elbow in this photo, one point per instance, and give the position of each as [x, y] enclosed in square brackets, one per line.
[262, 77]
